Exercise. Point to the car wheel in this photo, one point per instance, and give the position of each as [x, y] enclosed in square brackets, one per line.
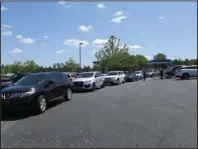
[68, 95]
[185, 76]
[124, 81]
[41, 104]
[118, 81]
[103, 85]
[93, 86]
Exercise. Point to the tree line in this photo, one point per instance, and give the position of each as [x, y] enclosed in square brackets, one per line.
[114, 55]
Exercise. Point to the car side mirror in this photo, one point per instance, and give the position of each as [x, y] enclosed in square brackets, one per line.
[51, 81]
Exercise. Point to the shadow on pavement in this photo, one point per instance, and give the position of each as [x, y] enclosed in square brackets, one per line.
[178, 79]
[19, 115]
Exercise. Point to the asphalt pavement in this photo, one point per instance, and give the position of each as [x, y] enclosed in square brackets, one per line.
[154, 113]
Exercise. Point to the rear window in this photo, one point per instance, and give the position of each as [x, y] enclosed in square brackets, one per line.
[193, 67]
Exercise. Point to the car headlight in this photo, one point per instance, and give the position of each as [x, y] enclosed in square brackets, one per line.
[87, 82]
[114, 78]
[28, 93]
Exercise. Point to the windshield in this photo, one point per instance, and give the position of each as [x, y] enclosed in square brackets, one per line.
[86, 75]
[137, 72]
[31, 79]
[5, 79]
[112, 73]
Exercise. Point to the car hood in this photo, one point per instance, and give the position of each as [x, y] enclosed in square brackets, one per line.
[110, 76]
[82, 79]
[17, 88]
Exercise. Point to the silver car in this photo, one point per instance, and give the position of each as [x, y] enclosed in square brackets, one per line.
[89, 81]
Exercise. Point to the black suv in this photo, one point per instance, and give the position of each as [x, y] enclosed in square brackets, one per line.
[35, 90]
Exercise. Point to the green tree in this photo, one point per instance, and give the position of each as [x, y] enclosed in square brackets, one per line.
[70, 65]
[109, 55]
[160, 56]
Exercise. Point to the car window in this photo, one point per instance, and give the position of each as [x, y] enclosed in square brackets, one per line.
[97, 74]
[112, 73]
[73, 76]
[86, 75]
[32, 79]
[193, 67]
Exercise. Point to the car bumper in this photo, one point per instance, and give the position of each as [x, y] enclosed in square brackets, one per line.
[84, 87]
[178, 75]
[17, 103]
[129, 79]
[110, 81]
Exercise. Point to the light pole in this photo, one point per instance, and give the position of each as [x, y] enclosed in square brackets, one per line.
[80, 54]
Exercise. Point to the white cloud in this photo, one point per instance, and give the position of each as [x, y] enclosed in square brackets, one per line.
[45, 37]
[119, 19]
[135, 47]
[16, 51]
[61, 2]
[101, 6]
[3, 8]
[22, 39]
[161, 17]
[75, 43]
[118, 13]
[60, 51]
[6, 26]
[65, 4]
[6, 33]
[98, 43]
[84, 28]
[141, 34]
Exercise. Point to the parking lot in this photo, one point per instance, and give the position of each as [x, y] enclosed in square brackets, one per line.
[151, 113]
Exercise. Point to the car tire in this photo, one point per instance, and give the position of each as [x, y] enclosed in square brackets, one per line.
[41, 104]
[118, 81]
[124, 81]
[68, 94]
[103, 85]
[185, 76]
[93, 87]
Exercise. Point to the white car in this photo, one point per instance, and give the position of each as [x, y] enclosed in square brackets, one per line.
[89, 81]
[114, 77]
[139, 74]
[185, 72]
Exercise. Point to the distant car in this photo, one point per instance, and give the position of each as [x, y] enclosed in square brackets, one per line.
[9, 81]
[139, 74]
[170, 72]
[150, 73]
[89, 81]
[130, 77]
[185, 72]
[71, 76]
[35, 91]
[115, 77]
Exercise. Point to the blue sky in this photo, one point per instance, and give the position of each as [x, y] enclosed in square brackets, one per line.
[49, 32]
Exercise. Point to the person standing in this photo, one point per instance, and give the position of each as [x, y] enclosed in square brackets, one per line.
[161, 73]
[144, 75]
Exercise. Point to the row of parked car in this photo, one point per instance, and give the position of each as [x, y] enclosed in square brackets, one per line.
[33, 91]
[181, 71]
